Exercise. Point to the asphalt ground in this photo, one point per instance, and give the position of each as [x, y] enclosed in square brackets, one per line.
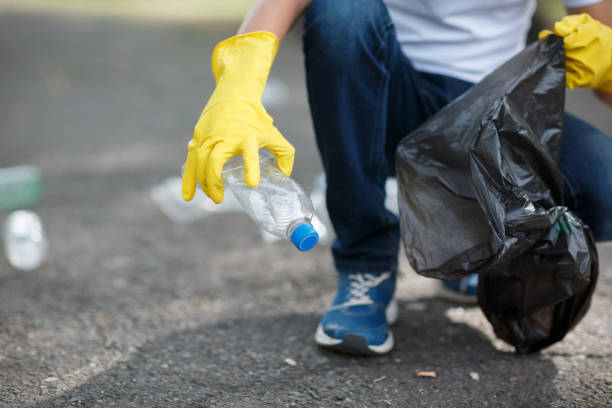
[133, 310]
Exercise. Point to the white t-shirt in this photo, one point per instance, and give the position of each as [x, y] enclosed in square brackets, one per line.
[465, 39]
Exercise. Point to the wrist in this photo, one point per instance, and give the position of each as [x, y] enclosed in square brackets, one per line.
[244, 61]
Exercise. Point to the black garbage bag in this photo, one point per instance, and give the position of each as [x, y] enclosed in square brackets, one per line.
[480, 192]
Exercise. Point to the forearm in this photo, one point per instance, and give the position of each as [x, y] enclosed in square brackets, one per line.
[275, 16]
[601, 11]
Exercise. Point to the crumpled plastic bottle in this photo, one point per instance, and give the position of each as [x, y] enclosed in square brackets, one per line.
[278, 204]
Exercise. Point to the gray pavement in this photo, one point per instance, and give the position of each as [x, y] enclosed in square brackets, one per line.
[131, 310]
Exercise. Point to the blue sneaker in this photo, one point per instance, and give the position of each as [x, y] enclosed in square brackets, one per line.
[358, 320]
[462, 290]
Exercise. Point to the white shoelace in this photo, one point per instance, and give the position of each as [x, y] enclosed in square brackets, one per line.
[360, 285]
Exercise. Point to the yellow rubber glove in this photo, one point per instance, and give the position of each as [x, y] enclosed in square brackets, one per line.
[588, 51]
[234, 120]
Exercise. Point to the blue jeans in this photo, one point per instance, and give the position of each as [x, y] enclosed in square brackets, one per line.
[365, 96]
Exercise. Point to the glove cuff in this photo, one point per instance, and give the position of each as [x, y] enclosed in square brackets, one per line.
[245, 61]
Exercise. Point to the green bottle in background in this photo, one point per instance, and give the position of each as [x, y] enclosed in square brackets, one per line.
[20, 187]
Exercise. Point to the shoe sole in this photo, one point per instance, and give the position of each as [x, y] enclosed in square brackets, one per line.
[357, 344]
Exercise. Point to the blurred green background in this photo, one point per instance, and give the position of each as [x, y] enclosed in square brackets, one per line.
[196, 10]
[207, 11]
[181, 10]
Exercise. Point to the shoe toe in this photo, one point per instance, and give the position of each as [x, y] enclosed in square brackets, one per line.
[369, 324]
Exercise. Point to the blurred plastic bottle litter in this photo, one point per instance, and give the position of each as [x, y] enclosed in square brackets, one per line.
[168, 197]
[278, 204]
[20, 187]
[391, 202]
[25, 243]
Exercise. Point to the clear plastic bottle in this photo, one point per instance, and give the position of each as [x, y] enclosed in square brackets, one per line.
[278, 204]
[25, 243]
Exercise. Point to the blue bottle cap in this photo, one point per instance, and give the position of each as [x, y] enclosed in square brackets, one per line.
[304, 237]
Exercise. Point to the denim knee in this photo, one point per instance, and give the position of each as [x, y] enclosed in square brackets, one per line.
[599, 213]
[603, 229]
[344, 31]
[586, 165]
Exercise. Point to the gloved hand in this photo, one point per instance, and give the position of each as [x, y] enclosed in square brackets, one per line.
[234, 120]
[588, 51]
